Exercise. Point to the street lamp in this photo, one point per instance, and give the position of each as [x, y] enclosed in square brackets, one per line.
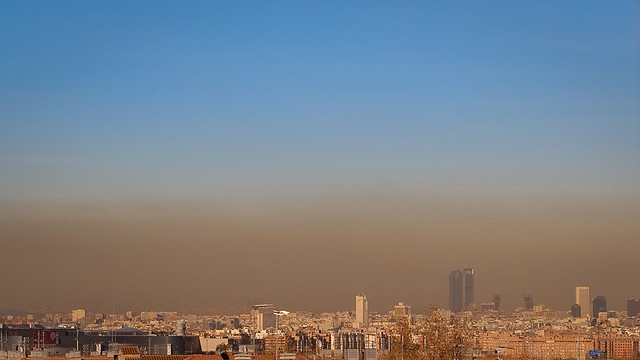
[278, 313]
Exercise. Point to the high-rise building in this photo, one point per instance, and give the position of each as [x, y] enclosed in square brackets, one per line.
[263, 316]
[575, 310]
[460, 289]
[401, 310]
[362, 311]
[496, 301]
[455, 291]
[528, 302]
[633, 307]
[599, 305]
[584, 300]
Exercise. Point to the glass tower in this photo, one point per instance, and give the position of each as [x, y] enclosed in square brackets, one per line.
[460, 289]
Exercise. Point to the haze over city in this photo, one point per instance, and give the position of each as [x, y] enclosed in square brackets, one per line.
[207, 156]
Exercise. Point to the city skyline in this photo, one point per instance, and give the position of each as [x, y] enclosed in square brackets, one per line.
[263, 313]
[336, 335]
[213, 155]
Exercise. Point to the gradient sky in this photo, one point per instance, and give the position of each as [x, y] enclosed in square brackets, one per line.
[200, 155]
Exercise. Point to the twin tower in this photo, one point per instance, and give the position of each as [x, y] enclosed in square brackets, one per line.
[460, 289]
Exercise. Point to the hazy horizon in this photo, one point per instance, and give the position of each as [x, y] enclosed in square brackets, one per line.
[198, 156]
[393, 246]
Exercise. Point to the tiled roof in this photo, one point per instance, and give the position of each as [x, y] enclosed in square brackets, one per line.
[129, 350]
[163, 357]
[208, 357]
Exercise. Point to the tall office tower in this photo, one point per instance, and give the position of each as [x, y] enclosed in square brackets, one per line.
[633, 307]
[584, 300]
[362, 311]
[575, 310]
[528, 302]
[496, 301]
[468, 287]
[599, 305]
[460, 289]
[455, 291]
[264, 316]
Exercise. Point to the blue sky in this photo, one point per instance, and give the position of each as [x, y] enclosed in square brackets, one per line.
[213, 92]
[265, 107]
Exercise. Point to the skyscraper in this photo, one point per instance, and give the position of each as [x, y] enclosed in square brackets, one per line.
[575, 310]
[460, 289]
[496, 301]
[633, 307]
[528, 302]
[362, 311]
[599, 305]
[584, 300]
[263, 316]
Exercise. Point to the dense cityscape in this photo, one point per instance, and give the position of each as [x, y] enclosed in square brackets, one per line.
[319, 180]
[474, 330]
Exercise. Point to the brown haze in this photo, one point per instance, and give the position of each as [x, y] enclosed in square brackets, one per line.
[315, 252]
